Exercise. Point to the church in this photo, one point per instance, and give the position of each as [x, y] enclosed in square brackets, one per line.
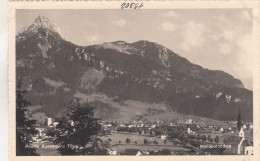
[239, 144]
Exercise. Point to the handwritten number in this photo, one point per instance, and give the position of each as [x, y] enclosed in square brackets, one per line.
[131, 5]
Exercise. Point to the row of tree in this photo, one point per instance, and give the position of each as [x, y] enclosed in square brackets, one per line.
[205, 138]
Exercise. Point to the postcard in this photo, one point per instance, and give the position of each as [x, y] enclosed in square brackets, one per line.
[175, 80]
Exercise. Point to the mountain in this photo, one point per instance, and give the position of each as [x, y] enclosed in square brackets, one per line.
[122, 79]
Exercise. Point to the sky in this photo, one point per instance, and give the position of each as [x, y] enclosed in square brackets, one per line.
[217, 39]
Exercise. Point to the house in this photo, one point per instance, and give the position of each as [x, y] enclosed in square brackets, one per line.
[108, 125]
[251, 126]
[188, 130]
[189, 122]
[49, 121]
[173, 124]
[112, 152]
[122, 125]
[153, 126]
[55, 123]
[40, 131]
[163, 137]
[210, 126]
[246, 148]
[135, 152]
[51, 125]
[244, 127]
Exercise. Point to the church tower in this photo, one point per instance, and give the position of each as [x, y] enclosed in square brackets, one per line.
[239, 123]
[241, 133]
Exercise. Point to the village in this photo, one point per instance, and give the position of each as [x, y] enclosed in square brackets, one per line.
[179, 137]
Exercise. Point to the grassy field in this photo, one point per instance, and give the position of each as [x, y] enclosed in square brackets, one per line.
[129, 108]
[120, 147]
[116, 137]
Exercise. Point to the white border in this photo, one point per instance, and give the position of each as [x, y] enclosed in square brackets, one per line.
[147, 5]
[3, 81]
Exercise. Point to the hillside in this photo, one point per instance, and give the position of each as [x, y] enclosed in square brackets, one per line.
[56, 71]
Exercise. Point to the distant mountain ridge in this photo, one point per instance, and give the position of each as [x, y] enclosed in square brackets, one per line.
[56, 70]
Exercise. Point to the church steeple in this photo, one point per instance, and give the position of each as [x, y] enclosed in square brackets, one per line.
[241, 133]
[239, 123]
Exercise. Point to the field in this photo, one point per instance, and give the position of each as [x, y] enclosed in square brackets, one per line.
[120, 147]
[128, 109]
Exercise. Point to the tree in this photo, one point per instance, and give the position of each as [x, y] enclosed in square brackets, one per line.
[165, 142]
[24, 124]
[145, 131]
[166, 152]
[209, 137]
[154, 141]
[127, 140]
[194, 143]
[140, 132]
[119, 141]
[135, 142]
[204, 138]
[192, 136]
[81, 129]
[145, 141]
[216, 139]
[99, 147]
[198, 137]
[158, 132]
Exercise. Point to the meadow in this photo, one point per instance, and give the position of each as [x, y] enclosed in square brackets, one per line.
[137, 142]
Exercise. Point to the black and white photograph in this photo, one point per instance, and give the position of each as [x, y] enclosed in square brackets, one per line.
[134, 82]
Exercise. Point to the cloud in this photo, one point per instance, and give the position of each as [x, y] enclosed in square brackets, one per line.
[170, 14]
[224, 48]
[245, 54]
[222, 19]
[121, 22]
[192, 35]
[246, 15]
[168, 27]
[91, 39]
[243, 65]
[228, 35]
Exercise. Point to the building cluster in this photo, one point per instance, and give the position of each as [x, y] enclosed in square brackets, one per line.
[235, 141]
[239, 144]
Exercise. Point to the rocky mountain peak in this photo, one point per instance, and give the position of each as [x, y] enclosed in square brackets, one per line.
[41, 22]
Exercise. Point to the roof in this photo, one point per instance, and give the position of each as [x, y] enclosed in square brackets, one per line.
[51, 124]
[246, 143]
[131, 151]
